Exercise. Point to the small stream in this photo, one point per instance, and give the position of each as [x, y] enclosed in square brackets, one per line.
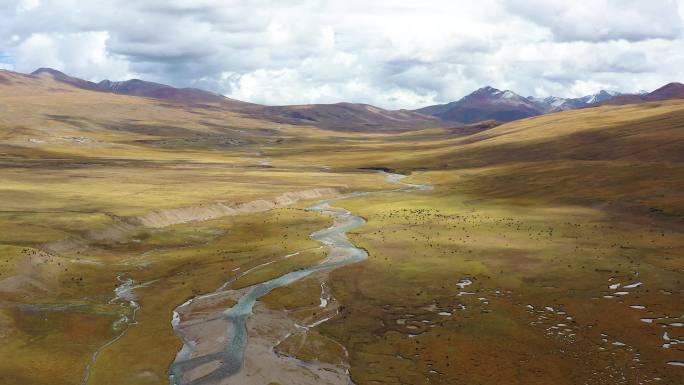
[342, 252]
[124, 295]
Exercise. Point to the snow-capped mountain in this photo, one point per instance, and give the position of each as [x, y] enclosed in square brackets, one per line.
[485, 104]
[490, 103]
[600, 97]
[555, 104]
[550, 102]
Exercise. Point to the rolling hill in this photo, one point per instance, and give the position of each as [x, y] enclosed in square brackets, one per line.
[484, 104]
[339, 116]
[137, 87]
[345, 117]
[169, 201]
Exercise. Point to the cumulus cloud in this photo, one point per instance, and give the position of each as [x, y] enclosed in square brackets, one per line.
[391, 53]
[601, 20]
[83, 53]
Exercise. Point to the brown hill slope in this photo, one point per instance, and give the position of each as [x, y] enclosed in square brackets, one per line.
[74, 160]
[345, 117]
[137, 87]
[45, 117]
[625, 157]
[339, 116]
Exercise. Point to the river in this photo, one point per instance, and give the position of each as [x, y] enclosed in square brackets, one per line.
[193, 368]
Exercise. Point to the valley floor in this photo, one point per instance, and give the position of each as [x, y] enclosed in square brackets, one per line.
[535, 259]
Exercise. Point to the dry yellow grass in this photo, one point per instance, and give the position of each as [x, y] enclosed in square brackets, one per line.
[539, 212]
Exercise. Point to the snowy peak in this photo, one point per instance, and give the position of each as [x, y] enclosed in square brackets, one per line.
[554, 103]
[487, 90]
[490, 103]
[550, 101]
[492, 95]
[486, 103]
[603, 95]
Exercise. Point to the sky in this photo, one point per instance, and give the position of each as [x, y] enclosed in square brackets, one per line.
[390, 53]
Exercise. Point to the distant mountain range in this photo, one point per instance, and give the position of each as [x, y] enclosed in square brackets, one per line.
[668, 91]
[137, 87]
[505, 106]
[339, 116]
[345, 116]
[485, 104]
[555, 104]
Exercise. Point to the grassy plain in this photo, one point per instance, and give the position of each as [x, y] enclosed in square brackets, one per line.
[539, 215]
[406, 319]
[80, 169]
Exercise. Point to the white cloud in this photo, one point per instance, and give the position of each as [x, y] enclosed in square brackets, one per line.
[600, 20]
[393, 53]
[81, 53]
[27, 5]
[283, 85]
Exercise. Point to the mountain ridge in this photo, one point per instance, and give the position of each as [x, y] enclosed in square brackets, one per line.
[138, 87]
[342, 116]
[673, 90]
[484, 104]
[505, 105]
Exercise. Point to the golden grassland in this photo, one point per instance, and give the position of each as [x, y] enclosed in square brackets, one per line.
[178, 263]
[562, 257]
[535, 220]
[540, 213]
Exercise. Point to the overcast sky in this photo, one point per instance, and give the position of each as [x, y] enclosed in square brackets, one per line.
[390, 53]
